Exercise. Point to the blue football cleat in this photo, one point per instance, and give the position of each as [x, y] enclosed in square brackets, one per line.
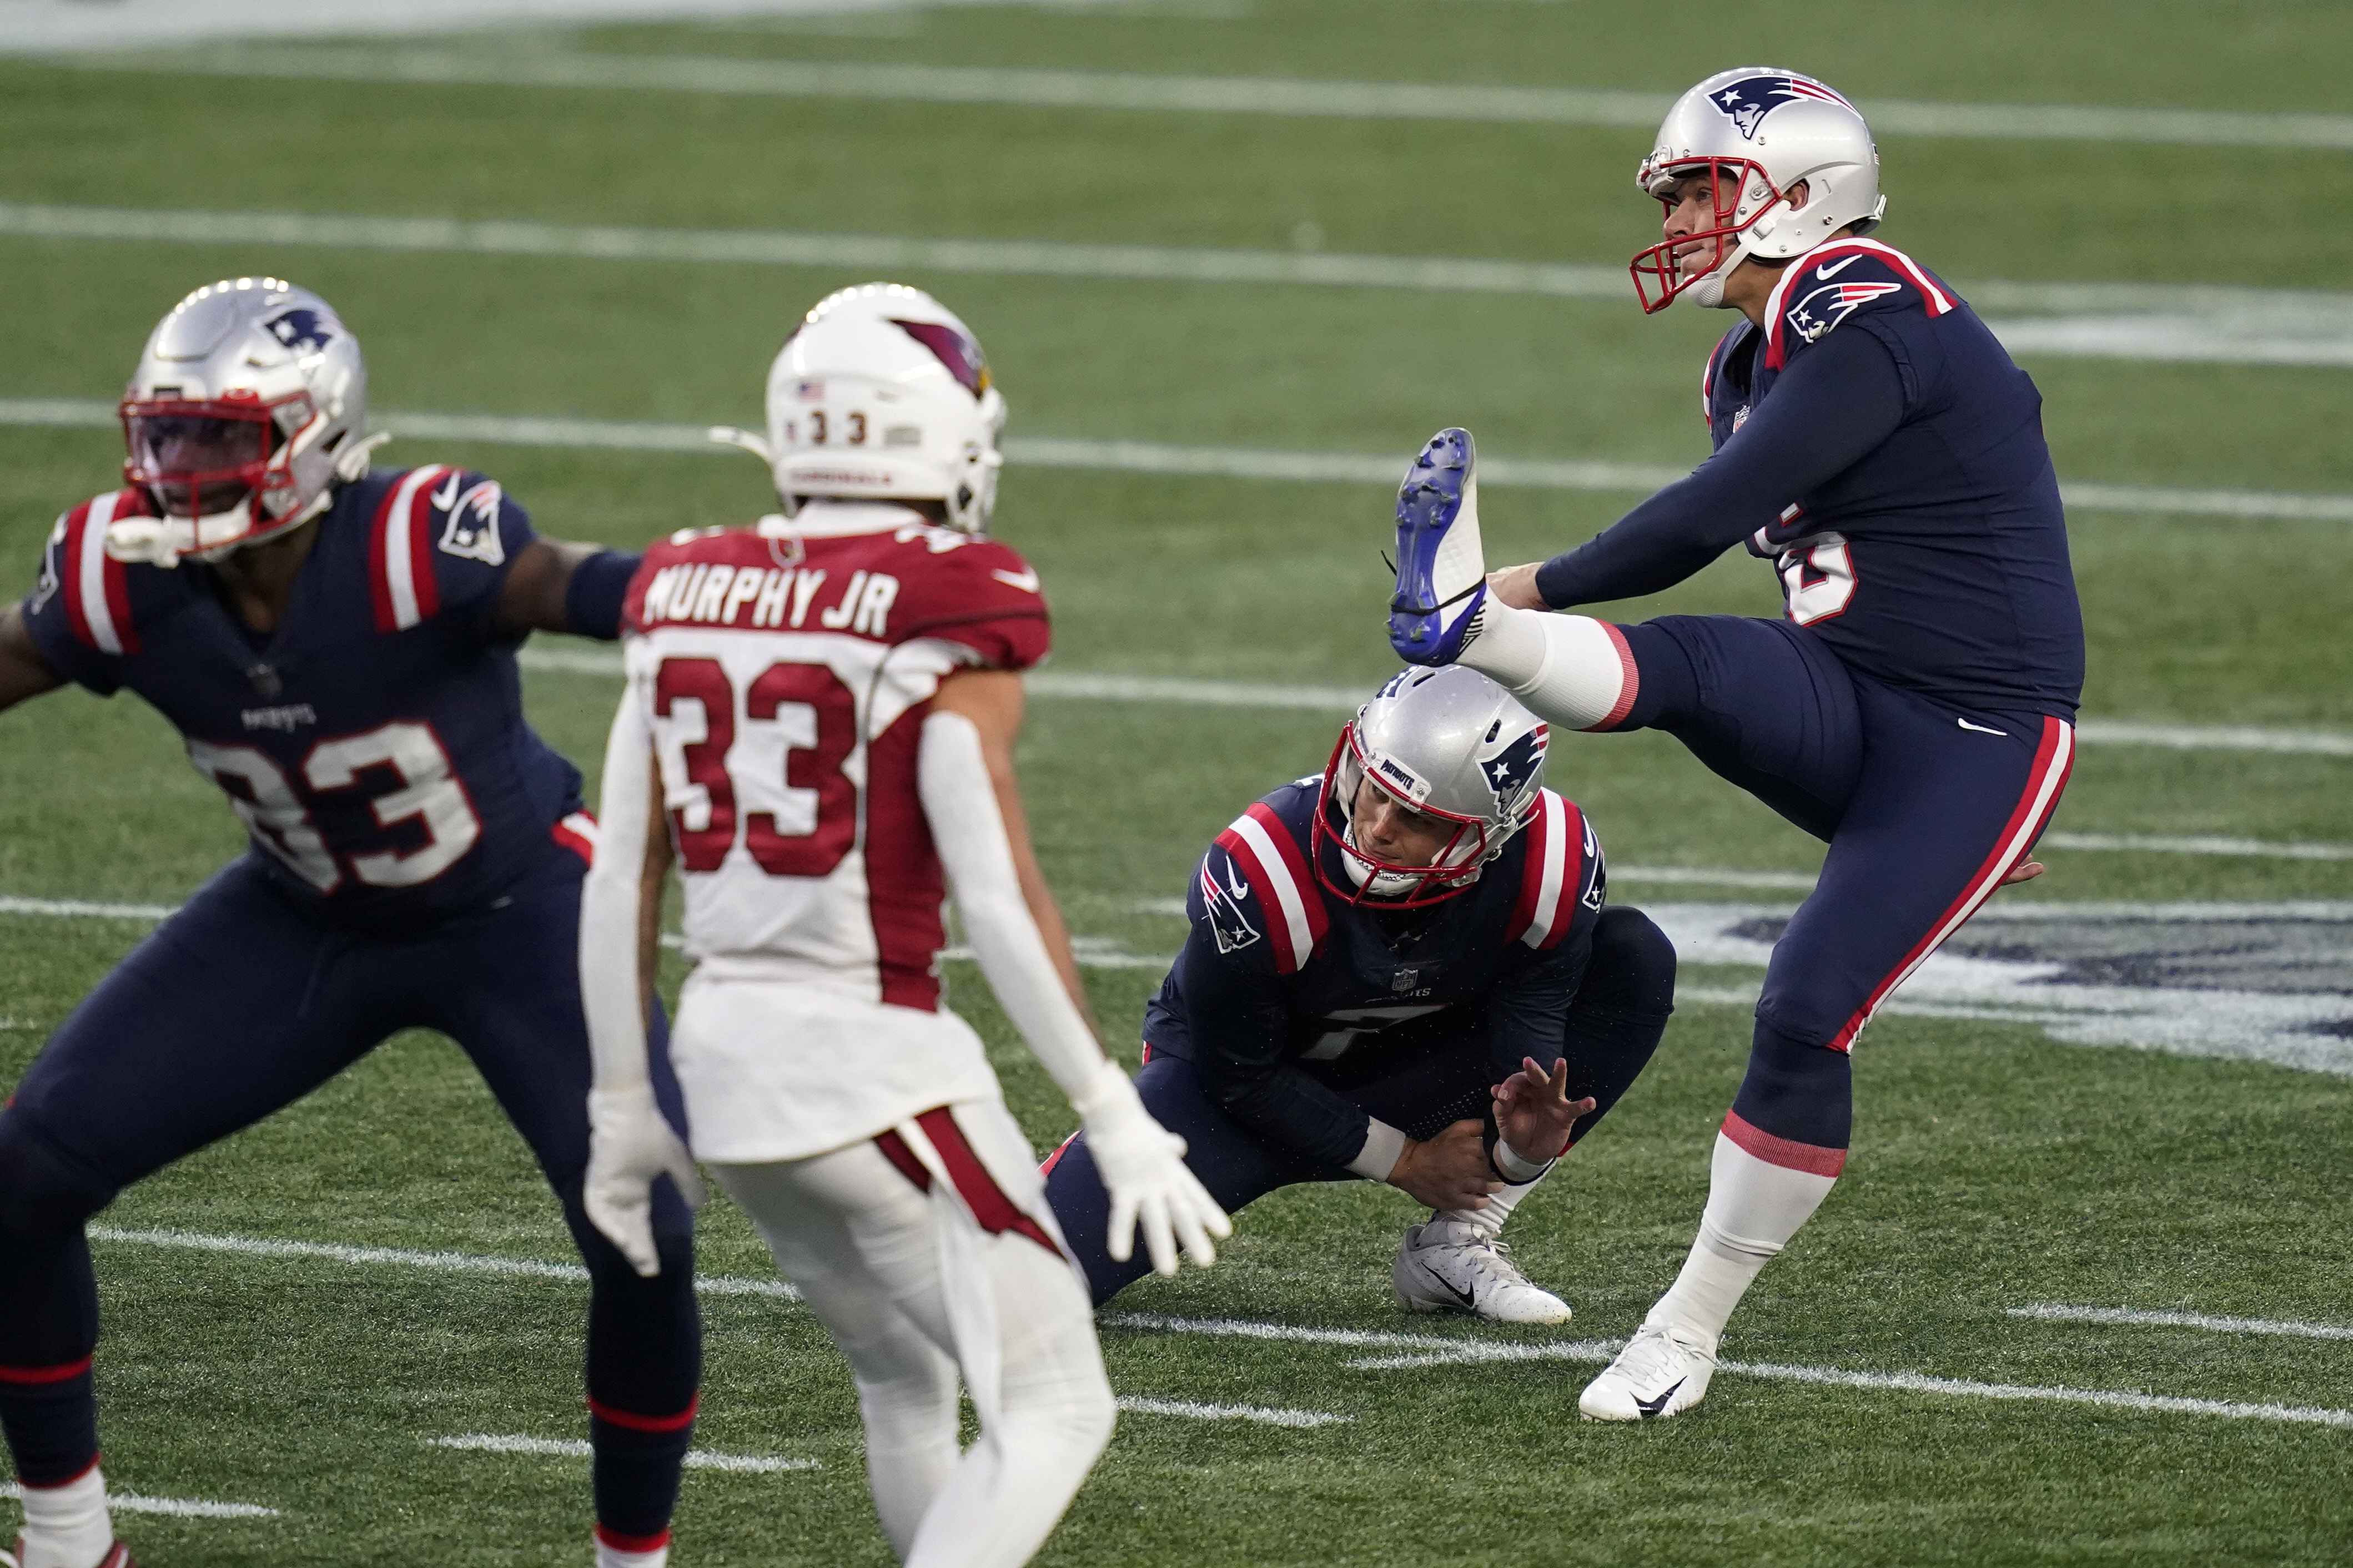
[1441, 570]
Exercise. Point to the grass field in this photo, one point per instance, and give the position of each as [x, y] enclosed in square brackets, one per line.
[2012, 1149]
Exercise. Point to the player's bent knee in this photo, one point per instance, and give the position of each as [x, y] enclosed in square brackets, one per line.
[43, 1195]
[1633, 964]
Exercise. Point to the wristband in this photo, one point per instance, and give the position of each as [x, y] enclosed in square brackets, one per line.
[1508, 1165]
[1383, 1147]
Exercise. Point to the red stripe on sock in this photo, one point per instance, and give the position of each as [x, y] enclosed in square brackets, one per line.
[997, 1213]
[53, 1486]
[1629, 683]
[35, 1376]
[636, 1422]
[619, 1543]
[1811, 1158]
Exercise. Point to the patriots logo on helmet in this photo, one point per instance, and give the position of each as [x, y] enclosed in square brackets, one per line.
[1813, 316]
[1222, 907]
[1748, 101]
[1509, 770]
[303, 332]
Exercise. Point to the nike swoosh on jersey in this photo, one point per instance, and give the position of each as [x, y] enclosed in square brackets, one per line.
[446, 495]
[1980, 729]
[1830, 269]
[1025, 581]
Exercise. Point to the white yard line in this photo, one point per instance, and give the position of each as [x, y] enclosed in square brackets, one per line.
[2288, 1328]
[406, 1258]
[1437, 1352]
[1106, 687]
[2197, 844]
[578, 1449]
[1121, 90]
[179, 1507]
[1237, 463]
[40, 26]
[1137, 1405]
[2200, 323]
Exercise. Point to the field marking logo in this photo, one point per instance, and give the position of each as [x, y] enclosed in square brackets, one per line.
[1812, 317]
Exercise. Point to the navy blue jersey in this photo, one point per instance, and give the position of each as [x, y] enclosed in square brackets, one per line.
[1281, 979]
[1937, 559]
[375, 744]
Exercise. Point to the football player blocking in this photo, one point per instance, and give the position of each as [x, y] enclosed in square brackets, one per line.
[337, 649]
[1372, 948]
[1914, 707]
[818, 732]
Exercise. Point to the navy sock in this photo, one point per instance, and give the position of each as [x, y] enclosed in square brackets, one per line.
[1801, 1092]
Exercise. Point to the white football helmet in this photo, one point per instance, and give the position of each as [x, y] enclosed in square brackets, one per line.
[1756, 132]
[1450, 744]
[883, 393]
[243, 413]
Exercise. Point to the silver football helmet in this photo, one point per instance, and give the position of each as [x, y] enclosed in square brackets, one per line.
[1756, 132]
[244, 411]
[1451, 744]
[883, 393]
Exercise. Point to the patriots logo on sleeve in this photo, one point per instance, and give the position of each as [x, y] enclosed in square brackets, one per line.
[472, 531]
[47, 588]
[1812, 317]
[1224, 896]
[1748, 101]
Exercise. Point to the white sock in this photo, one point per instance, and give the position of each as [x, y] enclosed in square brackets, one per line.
[1570, 671]
[1486, 1224]
[67, 1526]
[611, 1556]
[1754, 1207]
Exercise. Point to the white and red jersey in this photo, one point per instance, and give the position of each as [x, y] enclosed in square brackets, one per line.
[785, 691]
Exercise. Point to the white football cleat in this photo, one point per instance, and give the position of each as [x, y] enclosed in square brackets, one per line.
[1444, 1266]
[117, 1556]
[1663, 1370]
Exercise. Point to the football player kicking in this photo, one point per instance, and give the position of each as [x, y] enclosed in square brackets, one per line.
[1401, 971]
[818, 731]
[337, 647]
[1913, 707]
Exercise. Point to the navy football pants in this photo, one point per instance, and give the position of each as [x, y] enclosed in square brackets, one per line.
[1420, 1077]
[1926, 807]
[238, 1005]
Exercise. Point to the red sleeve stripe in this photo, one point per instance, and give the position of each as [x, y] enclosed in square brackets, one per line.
[97, 600]
[1549, 884]
[400, 555]
[2046, 780]
[1811, 1158]
[1263, 847]
[577, 833]
[1935, 300]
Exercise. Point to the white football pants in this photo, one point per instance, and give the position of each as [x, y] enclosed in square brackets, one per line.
[916, 1283]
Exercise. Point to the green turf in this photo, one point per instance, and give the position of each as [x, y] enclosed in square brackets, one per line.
[1992, 1167]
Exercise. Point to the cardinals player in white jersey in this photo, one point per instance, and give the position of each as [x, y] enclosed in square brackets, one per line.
[823, 707]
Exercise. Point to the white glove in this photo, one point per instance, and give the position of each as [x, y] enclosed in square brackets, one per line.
[1142, 1167]
[630, 1145]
